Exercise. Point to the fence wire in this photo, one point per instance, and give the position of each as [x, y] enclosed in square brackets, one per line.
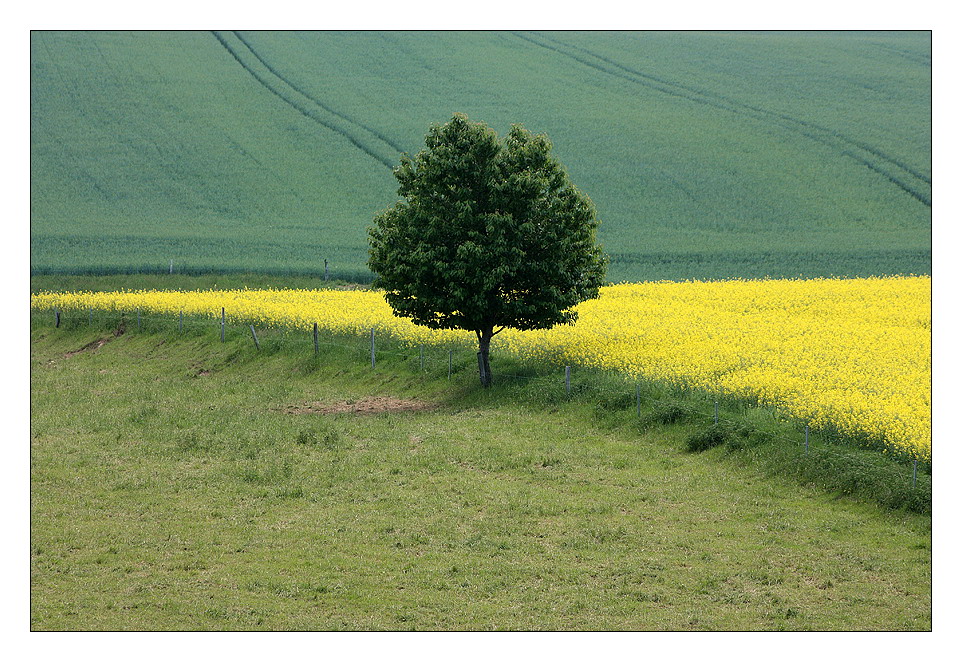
[282, 336]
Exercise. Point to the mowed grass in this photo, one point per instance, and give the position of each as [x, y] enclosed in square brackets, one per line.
[172, 490]
[708, 155]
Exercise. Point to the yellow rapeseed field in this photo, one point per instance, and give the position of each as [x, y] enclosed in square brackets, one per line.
[850, 353]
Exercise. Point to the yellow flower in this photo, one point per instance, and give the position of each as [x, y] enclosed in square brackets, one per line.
[851, 353]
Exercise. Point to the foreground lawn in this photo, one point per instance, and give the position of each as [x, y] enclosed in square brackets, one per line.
[182, 483]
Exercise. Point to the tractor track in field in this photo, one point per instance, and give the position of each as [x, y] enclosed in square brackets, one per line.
[905, 177]
[347, 118]
[276, 90]
[916, 58]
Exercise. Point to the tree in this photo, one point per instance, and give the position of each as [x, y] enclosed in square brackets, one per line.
[488, 234]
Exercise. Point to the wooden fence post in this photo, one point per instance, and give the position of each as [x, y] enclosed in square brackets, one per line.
[254, 333]
[315, 339]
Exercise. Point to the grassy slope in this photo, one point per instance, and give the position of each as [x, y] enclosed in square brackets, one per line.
[170, 491]
[708, 155]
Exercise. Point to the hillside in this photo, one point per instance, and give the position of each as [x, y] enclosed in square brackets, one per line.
[183, 483]
[708, 155]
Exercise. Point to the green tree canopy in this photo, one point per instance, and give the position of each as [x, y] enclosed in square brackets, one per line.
[489, 233]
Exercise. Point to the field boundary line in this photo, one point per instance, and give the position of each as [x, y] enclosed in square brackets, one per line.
[213, 320]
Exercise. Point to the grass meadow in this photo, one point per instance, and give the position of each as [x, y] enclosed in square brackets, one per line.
[848, 355]
[708, 155]
[183, 483]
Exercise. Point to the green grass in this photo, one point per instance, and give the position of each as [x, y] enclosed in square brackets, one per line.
[708, 155]
[170, 490]
[228, 281]
[762, 435]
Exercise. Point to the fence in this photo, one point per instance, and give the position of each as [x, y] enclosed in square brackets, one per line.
[377, 346]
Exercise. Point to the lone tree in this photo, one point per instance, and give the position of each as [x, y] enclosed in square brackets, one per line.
[488, 234]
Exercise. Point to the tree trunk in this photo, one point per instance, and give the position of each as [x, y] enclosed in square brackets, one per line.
[484, 346]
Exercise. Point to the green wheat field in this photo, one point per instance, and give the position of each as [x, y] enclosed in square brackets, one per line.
[708, 155]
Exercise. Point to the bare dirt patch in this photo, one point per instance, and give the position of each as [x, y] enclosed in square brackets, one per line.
[94, 345]
[362, 407]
